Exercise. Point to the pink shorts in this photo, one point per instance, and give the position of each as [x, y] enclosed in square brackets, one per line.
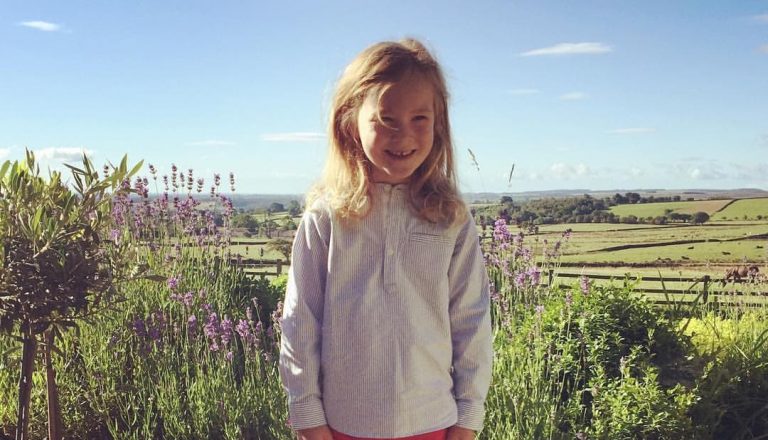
[435, 435]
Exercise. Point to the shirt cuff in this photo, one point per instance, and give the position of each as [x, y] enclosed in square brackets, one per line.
[307, 414]
[471, 414]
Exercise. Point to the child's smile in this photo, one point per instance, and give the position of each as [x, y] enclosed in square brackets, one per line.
[397, 129]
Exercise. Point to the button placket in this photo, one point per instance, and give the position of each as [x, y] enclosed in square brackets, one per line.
[390, 240]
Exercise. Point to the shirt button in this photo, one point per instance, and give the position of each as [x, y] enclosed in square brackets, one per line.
[390, 252]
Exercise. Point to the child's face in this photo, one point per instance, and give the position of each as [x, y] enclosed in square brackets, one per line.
[398, 148]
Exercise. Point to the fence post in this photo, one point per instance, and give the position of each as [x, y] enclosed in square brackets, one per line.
[550, 277]
[706, 280]
[279, 266]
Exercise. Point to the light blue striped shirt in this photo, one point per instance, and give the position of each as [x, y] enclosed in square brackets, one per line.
[386, 328]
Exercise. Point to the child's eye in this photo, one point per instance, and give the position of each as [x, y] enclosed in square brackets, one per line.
[420, 118]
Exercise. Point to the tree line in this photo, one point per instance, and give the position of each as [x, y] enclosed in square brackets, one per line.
[585, 209]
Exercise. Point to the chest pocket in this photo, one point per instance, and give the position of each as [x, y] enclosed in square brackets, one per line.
[427, 256]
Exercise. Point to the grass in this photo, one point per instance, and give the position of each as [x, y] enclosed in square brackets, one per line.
[749, 208]
[657, 209]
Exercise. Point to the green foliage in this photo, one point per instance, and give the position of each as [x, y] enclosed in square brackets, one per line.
[54, 262]
[734, 383]
[636, 406]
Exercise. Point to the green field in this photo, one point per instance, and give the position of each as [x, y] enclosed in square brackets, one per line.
[744, 209]
[642, 210]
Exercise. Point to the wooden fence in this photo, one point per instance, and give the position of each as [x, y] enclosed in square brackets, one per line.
[253, 266]
[705, 288]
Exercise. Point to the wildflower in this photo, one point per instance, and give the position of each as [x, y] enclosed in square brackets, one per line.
[173, 282]
[534, 273]
[500, 231]
[192, 326]
[139, 328]
[211, 328]
[229, 356]
[520, 280]
[569, 299]
[244, 330]
[584, 284]
[188, 299]
[226, 331]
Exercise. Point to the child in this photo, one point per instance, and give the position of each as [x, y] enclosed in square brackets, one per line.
[386, 323]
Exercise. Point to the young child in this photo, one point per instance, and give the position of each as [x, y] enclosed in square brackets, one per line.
[386, 327]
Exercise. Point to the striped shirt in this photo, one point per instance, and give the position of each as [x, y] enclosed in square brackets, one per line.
[386, 323]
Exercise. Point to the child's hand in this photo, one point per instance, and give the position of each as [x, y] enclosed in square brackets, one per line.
[318, 433]
[459, 433]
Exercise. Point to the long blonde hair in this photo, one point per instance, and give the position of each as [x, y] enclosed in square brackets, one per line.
[345, 184]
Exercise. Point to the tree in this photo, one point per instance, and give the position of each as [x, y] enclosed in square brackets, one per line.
[56, 267]
[294, 208]
[281, 245]
[700, 217]
[276, 207]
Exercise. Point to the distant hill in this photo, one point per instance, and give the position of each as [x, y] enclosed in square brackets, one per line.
[262, 201]
[685, 194]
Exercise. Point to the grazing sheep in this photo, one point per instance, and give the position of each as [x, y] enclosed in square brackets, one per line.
[736, 273]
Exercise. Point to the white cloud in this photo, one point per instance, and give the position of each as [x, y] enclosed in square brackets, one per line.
[636, 172]
[633, 130]
[567, 171]
[573, 96]
[64, 154]
[523, 91]
[762, 18]
[4, 152]
[707, 173]
[293, 137]
[570, 49]
[753, 171]
[210, 143]
[41, 25]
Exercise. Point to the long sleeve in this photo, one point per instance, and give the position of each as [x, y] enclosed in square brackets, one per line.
[302, 322]
[470, 327]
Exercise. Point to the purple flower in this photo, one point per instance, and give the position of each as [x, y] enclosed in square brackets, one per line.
[520, 280]
[569, 299]
[173, 282]
[211, 327]
[139, 328]
[192, 326]
[584, 284]
[539, 309]
[244, 330]
[534, 273]
[229, 356]
[500, 231]
[226, 331]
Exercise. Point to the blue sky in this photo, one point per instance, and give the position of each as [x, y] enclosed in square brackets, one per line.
[589, 94]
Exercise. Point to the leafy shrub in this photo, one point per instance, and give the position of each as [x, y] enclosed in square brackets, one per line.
[734, 384]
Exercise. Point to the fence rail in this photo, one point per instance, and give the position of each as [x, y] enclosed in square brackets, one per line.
[252, 266]
[699, 286]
